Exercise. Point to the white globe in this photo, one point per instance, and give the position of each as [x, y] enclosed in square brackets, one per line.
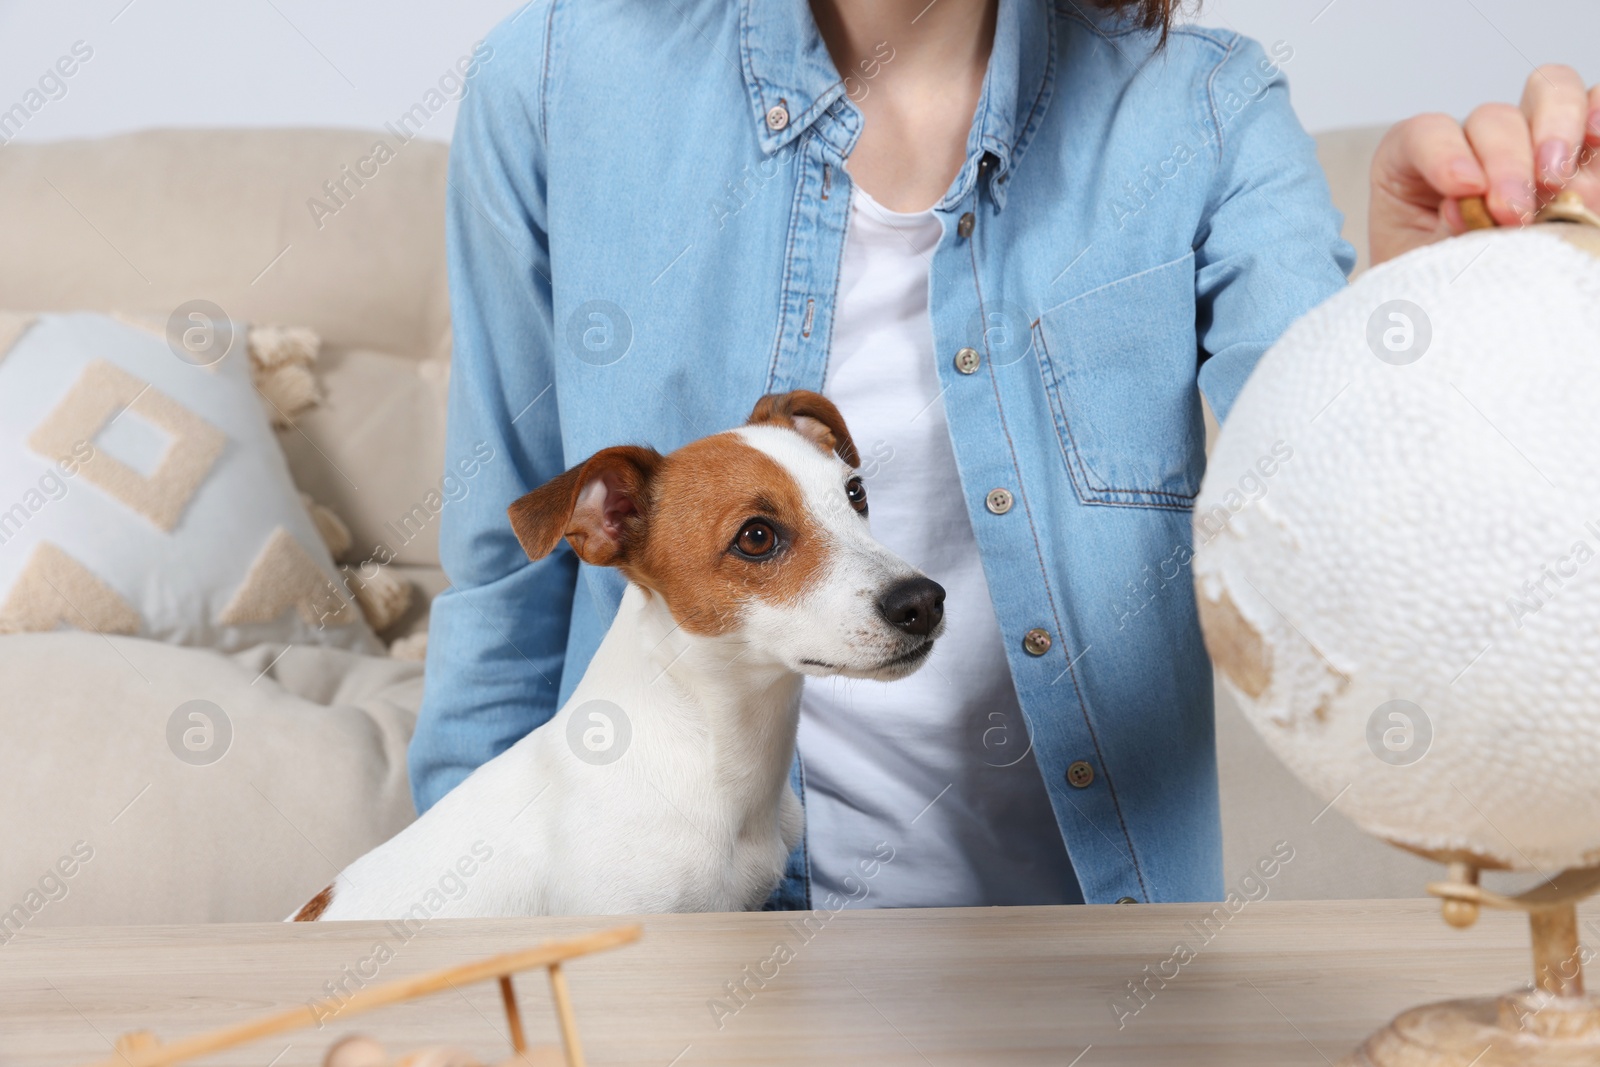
[1398, 550]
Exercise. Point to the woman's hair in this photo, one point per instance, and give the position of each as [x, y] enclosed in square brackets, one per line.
[1150, 14]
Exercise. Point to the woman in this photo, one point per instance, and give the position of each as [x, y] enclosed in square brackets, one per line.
[1009, 241]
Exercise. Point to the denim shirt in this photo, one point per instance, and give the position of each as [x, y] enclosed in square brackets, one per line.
[647, 206]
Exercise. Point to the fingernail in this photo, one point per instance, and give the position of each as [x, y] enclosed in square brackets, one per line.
[1554, 158]
[1594, 123]
[1516, 196]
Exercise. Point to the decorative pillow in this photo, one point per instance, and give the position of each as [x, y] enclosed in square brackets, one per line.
[143, 493]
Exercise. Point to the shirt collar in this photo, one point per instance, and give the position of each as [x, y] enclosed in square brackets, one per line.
[787, 67]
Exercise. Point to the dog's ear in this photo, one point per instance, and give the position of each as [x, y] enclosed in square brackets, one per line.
[813, 416]
[598, 506]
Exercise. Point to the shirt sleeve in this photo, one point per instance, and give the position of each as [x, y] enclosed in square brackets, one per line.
[497, 636]
[1269, 248]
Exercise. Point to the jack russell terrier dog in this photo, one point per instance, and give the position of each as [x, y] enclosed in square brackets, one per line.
[749, 565]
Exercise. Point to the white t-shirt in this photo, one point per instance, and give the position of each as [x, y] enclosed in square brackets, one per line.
[937, 766]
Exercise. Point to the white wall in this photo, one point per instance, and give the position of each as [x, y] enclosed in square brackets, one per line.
[1360, 62]
[363, 62]
[352, 63]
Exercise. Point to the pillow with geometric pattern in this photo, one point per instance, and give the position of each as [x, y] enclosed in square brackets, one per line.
[143, 492]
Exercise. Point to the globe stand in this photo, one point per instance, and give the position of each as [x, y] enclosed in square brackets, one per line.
[1552, 1024]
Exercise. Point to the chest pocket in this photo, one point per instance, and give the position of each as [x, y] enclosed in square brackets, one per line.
[1118, 365]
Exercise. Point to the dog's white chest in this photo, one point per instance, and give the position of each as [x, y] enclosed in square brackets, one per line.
[554, 825]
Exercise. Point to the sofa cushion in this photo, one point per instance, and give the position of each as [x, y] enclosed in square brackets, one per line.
[144, 222]
[184, 785]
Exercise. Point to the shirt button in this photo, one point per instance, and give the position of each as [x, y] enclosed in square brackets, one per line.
[967, 360]
[998, 501]
[777, 117]
[1036, 642]
[1079, 776]
[964, 227]
[1126, 900]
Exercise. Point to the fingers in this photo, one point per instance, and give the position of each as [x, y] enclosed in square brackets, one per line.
[1501, 139]
[1421, 168]
[1592, 129]
[1426, 162]
[1587, 182]
[1436, 149]
[1515, 158]
[1556, 107]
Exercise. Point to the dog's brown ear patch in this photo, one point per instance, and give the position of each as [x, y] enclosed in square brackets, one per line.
[314, 907]
[813, 416]
[598, 506]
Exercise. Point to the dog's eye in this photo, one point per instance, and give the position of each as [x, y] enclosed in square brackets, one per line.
[857, 492]
[756, 539]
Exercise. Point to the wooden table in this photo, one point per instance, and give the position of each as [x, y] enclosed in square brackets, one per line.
[1277, 984]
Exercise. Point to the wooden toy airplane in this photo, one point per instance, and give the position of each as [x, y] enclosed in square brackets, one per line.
[141, 1048]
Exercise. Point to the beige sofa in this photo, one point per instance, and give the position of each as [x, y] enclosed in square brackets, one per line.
[315, 773]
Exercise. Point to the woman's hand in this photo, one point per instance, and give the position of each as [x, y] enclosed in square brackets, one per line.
[1516, 158]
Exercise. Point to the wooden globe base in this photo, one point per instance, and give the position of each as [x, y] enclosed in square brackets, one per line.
[1503, 1032]
[1554, 1024]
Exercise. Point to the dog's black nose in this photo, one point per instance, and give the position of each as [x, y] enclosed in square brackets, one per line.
[915, 605]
